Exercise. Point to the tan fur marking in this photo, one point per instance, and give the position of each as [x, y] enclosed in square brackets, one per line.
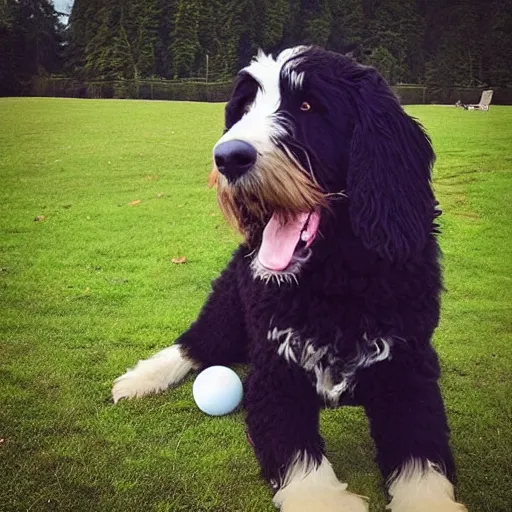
[213, 177]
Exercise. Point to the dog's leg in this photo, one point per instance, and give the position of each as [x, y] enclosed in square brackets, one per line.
[282, 420]
[408, 423]
[218, 336]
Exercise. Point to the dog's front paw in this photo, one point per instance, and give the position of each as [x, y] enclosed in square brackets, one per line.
[164, 369]
[136, 382]
[310, 488]
[422, 488]
[329, 500]
[427, 505]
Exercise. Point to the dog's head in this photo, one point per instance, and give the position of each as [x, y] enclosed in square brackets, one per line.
[311, 127]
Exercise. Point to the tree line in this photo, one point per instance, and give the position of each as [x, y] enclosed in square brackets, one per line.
[443, 42]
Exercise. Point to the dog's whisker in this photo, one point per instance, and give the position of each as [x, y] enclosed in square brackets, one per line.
[300, 147]
[336, 196]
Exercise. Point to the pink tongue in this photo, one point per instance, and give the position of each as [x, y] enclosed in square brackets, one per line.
[280, 240]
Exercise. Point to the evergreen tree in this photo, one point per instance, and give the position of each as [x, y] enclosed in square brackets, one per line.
[163, 58]
[208, 41]
[10, 58]
[236, 34]
[496, 63]
[316, 16]
[83, 25]
[139, 28]
[30, 38]
[447, 42]
[104, 55]
[348, 29]
[274, 19]
[399, 30]
[185, 41]
[383, 60]
[458, 55]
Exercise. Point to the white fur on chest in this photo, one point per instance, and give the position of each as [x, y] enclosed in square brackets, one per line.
[320, 363]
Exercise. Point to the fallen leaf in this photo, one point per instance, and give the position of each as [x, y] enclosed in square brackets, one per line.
[178, 261]
[134, 203]
[39, 218]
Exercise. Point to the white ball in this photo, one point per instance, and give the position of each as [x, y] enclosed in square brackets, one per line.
[217, 390]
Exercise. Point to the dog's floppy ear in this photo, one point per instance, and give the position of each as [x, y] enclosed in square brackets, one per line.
[389, 190]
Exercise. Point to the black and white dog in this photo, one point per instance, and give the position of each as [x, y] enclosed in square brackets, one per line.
[334, 295]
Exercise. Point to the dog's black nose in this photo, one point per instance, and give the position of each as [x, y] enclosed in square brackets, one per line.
[234, 158]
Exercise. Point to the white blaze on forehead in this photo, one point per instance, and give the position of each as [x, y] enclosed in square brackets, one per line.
[267, 71]
[261, 124]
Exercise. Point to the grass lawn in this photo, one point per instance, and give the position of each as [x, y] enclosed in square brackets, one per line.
[90, 288]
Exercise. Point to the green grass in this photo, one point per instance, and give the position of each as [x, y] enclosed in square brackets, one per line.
[91, 288]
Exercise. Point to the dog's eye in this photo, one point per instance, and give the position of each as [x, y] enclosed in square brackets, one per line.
[305, 106]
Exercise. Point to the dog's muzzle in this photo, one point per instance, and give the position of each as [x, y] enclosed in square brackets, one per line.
[234, 158]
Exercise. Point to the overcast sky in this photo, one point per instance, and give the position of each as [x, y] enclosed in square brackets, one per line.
[63, 5]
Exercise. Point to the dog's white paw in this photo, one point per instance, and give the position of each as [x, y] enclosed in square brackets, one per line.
[164, 369]
[420, 505]
[422, 488]
[329, 500]
[315, 489]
